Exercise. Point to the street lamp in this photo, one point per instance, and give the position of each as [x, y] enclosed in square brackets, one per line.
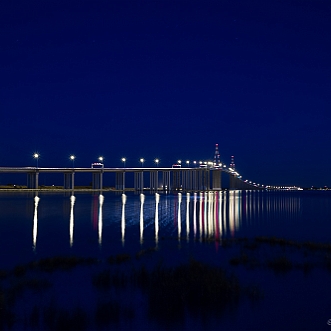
[72, 158]
[157, 162]
[179, 161]
[142, 161]
[195, 163]
[36, 156]
[188, 163]
[100, 158]
[123, 159]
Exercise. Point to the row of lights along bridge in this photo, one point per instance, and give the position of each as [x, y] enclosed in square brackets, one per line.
[142, 161]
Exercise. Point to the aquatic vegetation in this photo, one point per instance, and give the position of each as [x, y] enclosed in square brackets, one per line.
[144, 252]
[306, 266]
[102, 280]
[170, 293]
[61, 263]
[251, 245]
[277, 241]
[195, 286]
[106, 279]
[20, 270]
[280, 264]
[17, 288]
[119, 258]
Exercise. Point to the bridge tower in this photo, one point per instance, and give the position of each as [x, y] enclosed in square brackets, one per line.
[233, 178]
[217, 160]
[232, 164]
[217, 170]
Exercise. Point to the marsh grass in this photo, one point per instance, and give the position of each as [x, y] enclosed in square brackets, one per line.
[280, 264]
[119, 258]
[246, 260]
[17, 288]
[106, 279]
[308, 245]
[306, 267]
[146, 251]
[170, 293]
[20, 270]
[61, 263]
[277, 241]
[196, 287]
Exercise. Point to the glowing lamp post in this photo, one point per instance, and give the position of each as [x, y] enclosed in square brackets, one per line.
[188, 163]
[142, 161]
[36, 156]
[123, 159]
[157, 162]
[72, 158]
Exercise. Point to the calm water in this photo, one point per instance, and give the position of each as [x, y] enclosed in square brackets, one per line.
[55, 223]
[102, 225]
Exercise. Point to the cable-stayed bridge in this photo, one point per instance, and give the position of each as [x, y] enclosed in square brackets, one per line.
[202, 176]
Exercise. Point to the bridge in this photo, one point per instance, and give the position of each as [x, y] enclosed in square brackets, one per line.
[153, 179]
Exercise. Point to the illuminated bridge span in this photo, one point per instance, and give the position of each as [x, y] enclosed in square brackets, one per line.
[154, 179]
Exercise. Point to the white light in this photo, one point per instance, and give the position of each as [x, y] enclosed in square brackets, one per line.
[36, 155]
[72, 157]
[100, 158]
[123, 159]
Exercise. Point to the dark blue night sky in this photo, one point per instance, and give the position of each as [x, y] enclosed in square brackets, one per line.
[169, 79]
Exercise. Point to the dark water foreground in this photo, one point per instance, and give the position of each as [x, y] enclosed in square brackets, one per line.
[254, 281]
[234, 261]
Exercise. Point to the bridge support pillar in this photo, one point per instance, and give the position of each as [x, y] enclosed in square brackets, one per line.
[217, 179]
[69, 181]
[166, 182]
[204, 179]
[154, 180]
[187, 179]
[139, 181]
[176, 179]
[97, 181]
[120, 180]
[183, 183]
[33, 180]
[195, 185]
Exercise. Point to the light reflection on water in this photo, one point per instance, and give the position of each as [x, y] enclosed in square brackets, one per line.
[101, 199]
[85, 223]
[145, 219]
[71, 226]
[35, 223]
